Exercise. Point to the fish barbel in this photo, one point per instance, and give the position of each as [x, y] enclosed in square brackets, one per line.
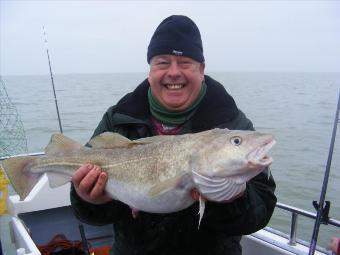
[154, 174]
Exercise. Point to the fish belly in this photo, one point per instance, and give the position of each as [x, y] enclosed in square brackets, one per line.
[171, 200]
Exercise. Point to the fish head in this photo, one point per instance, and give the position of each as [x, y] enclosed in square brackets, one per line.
[233, 152]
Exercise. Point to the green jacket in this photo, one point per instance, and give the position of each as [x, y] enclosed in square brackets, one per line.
[177, 233]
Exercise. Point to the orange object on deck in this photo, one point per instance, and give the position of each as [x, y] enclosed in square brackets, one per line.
[59, 244]
[103, 250]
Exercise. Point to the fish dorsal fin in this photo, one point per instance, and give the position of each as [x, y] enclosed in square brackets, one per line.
[60, 144]
[110, 140]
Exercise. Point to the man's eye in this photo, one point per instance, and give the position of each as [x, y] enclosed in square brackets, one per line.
[162, 63]
[185, 63]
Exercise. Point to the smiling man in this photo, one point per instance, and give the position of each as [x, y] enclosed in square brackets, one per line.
[175, 81]
[176, 98]
[175, 55]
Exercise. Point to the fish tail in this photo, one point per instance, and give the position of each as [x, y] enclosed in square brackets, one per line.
[17, 171]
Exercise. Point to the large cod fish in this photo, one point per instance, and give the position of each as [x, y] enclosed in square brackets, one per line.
[154, 174]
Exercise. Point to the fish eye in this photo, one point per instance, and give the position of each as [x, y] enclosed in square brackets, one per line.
[236, 140]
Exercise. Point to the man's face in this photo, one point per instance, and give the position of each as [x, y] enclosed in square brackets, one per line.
[175, 80]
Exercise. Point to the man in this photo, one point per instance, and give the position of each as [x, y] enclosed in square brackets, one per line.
[176, 98]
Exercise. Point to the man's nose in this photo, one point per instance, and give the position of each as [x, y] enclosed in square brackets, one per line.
[174, 70]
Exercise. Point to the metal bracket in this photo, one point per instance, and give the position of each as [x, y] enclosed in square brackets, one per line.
[325, 211]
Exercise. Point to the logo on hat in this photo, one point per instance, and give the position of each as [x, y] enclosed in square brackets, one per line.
[177, 52]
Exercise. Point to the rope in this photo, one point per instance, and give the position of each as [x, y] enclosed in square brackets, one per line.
[59, 243]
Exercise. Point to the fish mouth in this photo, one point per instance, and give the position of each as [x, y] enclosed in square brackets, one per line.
[259, 157]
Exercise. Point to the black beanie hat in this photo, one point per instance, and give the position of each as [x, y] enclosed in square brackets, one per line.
[176, 35]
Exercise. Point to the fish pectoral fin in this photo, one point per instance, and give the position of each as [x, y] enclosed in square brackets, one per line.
[57, 179]
[60, 144]
[108, 140]
[180, 180]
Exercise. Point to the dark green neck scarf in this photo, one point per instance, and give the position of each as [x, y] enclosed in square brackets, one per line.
[174, 118]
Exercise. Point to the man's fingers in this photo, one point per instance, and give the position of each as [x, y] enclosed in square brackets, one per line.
[81, 173]
[99, 186]
[89, 182]
[195, 194]
[90, 179]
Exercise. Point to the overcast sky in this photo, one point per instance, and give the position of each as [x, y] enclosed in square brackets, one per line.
[112, 36]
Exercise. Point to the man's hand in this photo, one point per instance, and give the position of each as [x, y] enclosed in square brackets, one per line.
[89, 182]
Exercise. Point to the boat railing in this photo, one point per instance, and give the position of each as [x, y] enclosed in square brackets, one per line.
[295, 212]
[22, 155]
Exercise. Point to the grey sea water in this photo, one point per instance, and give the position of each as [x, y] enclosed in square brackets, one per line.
[298, 108]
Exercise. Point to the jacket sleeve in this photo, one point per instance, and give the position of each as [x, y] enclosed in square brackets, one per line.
[253, 210]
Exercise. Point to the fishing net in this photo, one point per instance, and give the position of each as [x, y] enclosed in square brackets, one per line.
[12, 133]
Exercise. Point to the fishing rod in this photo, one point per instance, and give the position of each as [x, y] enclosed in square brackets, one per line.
[55, 96]
[323, 210]
[81, 227]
